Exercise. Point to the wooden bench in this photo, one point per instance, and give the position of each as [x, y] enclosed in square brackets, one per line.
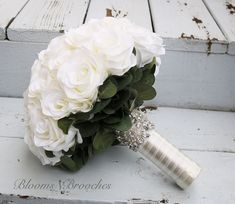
[198, 71]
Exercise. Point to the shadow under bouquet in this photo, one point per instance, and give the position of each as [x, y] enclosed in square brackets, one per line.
[84, 96]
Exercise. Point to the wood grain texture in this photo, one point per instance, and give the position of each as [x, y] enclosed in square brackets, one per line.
[118, 167]
[187, 129]
[196, 80]
[135, 10]
[205, 136]
[224, 13]
[16, 59]
[186, 79]
[8, 10]
[187, 25]
[40, 21]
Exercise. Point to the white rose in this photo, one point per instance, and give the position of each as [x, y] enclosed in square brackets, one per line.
[40, 79]
[55, 104]
[147, 45]
[43, 133]
[116, 48]
[39, 151]
[81, 36]
[81, 75]
[55, 53]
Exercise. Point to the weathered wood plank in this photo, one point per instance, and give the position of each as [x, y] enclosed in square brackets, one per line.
[186, 79]
[16, 60]
[135, 10]
[224, 13]
[118, 170]
[187, 129]
[187, 25]
[196, 80]
[8, 10]
[40, 21]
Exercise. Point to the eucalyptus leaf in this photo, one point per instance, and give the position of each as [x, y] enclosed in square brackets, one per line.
[69, 163]
[151, 66]
[87, 129]
[147, 78]
[81, 117]
[124, 81]
[64, 124]
[107, 90]
[109, 110]
[145, 92]
[112, 119]
[124, 125]
[99, 116]
[121, 98]
[99, 106]
[78, 161]
[102, 140]
[137, 74]
[49, 154]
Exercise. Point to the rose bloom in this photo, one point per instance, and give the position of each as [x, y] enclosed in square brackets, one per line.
[42, 133]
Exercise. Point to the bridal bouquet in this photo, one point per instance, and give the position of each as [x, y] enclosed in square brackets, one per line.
[85, 90]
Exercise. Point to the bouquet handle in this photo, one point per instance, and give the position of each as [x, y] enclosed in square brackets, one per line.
[169, 159]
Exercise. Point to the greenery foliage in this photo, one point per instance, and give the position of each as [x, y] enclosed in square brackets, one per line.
[117, 97]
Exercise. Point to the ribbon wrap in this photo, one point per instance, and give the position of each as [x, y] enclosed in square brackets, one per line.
[143, 138]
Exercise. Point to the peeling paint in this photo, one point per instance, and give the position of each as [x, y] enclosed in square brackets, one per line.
[115, 13]
[230, 7]
[197, 20]
[209, 44]
[141, 201]
[109, 12]
[23, 196]
[189, 37]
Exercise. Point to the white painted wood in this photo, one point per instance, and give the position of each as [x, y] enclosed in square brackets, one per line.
[187, 25]
[8, 10]
[196, 80]
[40, 21]
[187, 129]
[16, 59]
[186, 79]
[130, 177]
[196, 130]
[208, 137]
[135, 10]
[224, 13]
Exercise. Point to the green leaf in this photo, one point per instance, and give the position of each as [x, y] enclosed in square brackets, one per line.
[147, 78]
[69, 163]
[70, 151]
[90, 151]
[124, 81]
[112, 119]
[151, 66]
[107, 90]
[145, 92]
[87, 129]
[120, 99]
[81, 117]
[109, 110]
[98, 117]
[137, 74]
[49, 154]
[78, 161]
[64, 124]
[102, 140]
[99, 106]
[124, 125]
